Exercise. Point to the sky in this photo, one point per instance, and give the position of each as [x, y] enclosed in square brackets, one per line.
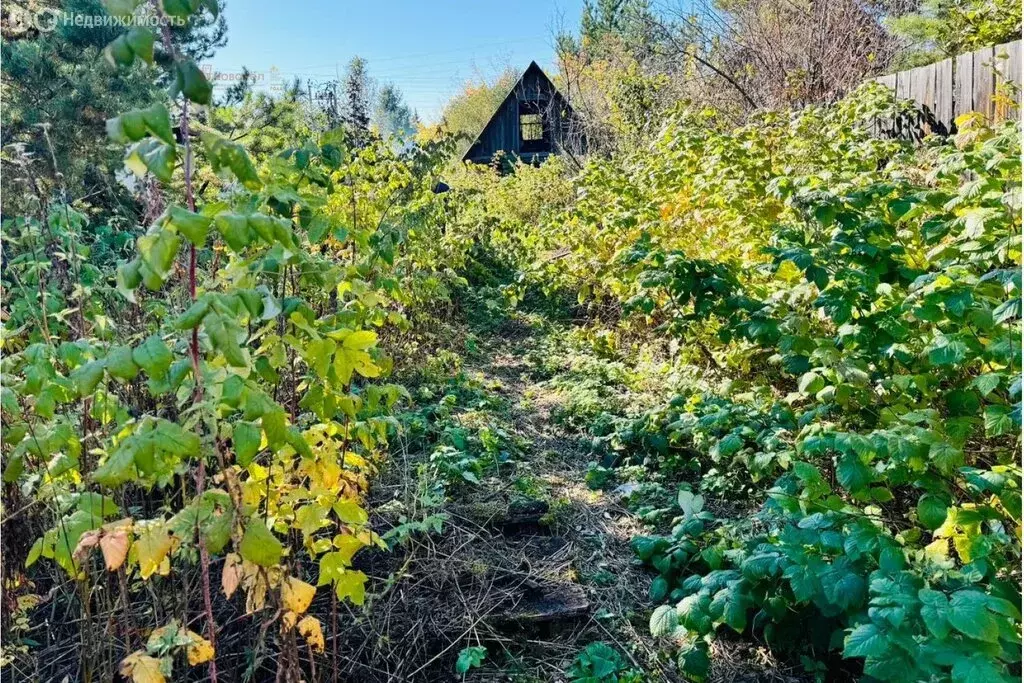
[429, 49]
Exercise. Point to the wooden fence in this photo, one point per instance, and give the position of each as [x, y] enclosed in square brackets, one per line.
[958, 85]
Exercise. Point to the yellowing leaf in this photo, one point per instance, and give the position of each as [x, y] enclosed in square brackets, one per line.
[347, 546]
[114, 546]
[351, 585]
[142, 668]
[309, 628]
[151, 550]
[296, 595]
[349, 512]
[199, 650]
[360, 340]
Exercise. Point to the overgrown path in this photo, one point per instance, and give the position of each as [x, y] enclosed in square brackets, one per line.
[530, 563]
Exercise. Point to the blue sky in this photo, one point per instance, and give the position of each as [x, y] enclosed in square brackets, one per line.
[428, 48]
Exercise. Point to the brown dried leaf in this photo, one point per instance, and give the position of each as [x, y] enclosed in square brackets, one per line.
[115, 548]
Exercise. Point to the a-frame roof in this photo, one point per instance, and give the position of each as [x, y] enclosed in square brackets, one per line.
[533, 68]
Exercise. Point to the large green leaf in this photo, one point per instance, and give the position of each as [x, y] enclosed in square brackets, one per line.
[259, 545]
[867, 640]
[153, 356]
[969, 614]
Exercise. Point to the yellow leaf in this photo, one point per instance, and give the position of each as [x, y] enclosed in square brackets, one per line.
[309, 628]
[288, 620]
[142, 668]
[348, 511]
[114, 546]
[296, 595]
[347, 545]
[151, 550]
[360, 340]
[231, 574]
[351, 585]
[199, 650]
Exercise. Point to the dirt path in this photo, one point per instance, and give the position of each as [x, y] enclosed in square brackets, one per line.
[529, 563]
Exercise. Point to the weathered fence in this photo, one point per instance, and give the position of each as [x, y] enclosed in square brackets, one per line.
[958, 85]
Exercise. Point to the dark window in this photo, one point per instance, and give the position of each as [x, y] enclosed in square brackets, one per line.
[531, 127]
[534, 128]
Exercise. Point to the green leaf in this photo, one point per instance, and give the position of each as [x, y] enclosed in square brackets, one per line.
[118, 52]
[931, 511]
[175, 439]
[120, 8]
[158, 250]
[224, 335]
[259, 544]
[935, 612]
[246, 439]
[1008, 310]
[14, 468]
[153, 156]
[34, 552]
[977, 668]
[273, 423]
[227, 155]
[182, 9]
[730, 445]
[192, 83]
[945, 456]
[470, 657]
[86, 377]
[9, 403]
[852, 474]
[153, 356]
[128, 278]
[193, 315]
[234, 228]
[193, 226]
[998, 421]
[119, 467]
[119, 363]
[350, 512]
[659, 589]
[689, 502]
[969, 614]
[140, 41]
[987, 383]
[663, 621]
[318, 353]
[811, 383]
[952, 353]
[867, 640]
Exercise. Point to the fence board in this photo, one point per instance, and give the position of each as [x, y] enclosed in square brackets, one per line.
[944, 91]
[952, 87]
[984, 81]
[1008, 70]
[963, 85]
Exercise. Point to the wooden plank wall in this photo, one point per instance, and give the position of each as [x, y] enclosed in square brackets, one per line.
[947, 89]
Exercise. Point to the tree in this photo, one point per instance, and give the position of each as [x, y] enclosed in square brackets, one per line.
[944, 28]
[356, 115]
[468, 112]
[392, 116]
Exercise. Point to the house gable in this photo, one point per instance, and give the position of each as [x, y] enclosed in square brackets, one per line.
[531, 123]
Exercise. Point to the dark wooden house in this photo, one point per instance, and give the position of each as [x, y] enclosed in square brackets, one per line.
[533, 122]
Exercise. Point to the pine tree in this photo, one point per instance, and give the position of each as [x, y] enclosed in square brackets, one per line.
[356, 117]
